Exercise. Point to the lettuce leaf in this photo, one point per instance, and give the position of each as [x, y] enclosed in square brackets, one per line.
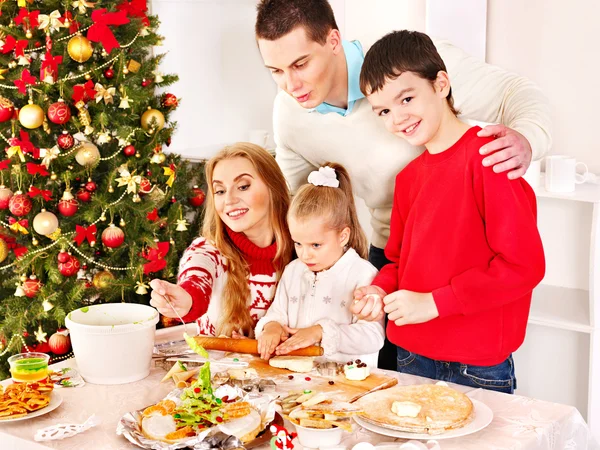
[204, 374]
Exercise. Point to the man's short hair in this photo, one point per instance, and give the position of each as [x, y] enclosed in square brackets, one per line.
[398, 52]
[276, 18]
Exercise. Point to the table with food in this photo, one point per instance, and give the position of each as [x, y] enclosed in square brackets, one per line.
[216, 393]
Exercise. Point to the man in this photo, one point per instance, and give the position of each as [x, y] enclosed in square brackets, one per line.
[321, 115]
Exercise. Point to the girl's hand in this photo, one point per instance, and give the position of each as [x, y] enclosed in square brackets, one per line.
[300, 338]
[407, 307]
[368, 303]
[272, 335]
[236, 335]
[164, 292]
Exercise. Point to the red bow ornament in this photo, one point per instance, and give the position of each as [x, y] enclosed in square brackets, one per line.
[30, 18]
[37, 169]
[135, 8]
[35, 192]
[49, 68]
[11, 243]
[83, 92]
[152, 216]
[26, 78]
[82, 233]
[100, 32]
[156, 257]
[12, 44]
[5, 164]
[18, 226]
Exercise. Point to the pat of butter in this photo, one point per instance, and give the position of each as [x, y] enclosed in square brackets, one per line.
[406, 409]
[441, 383]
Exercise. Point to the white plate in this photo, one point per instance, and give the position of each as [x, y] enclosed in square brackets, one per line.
[55, 401]
[483, 417]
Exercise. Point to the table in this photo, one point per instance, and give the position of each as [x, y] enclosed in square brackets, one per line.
[519, 422]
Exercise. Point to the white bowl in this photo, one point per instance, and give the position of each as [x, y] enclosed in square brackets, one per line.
[113, 342]
[317, 437]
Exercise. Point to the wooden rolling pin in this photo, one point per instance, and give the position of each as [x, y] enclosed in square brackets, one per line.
[248, 346]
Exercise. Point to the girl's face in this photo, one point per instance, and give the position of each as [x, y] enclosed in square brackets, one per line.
[317, 245]
[241, 197]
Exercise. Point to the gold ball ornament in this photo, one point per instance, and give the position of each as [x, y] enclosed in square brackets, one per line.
[153, 119]
[80, 48]
[45, 223]
[87, 155]
[102, 279]
[3, 250]
[31, 116]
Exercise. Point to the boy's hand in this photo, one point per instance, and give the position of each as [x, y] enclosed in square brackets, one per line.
[272, 335]
[164, 292]
[368, 303]
[511, 150]
[300, 338]
[407, 307]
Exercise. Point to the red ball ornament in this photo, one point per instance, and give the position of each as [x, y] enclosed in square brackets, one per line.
[19, 204]
[67, 206]
[5, 196]
[32, 286]
[145, 186]
[7, 109]
[59, 343]
[59, 112]
[197, 199]
[65, 141]
[109, 73]
[84, 196]
[169, 101]
[146, 82]
[90, 186]
[113, 236]
[129, 150]
[69, 267]
[63, 257]
[41, 347]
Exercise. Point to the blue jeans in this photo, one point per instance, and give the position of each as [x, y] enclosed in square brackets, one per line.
[499, 378]
[387, 355]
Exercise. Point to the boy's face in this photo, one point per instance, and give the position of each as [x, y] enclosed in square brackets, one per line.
[317, 245]
[300, 66]
[411, 107]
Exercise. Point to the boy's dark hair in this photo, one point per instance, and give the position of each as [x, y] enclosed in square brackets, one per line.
[276, 18]
[398, 52]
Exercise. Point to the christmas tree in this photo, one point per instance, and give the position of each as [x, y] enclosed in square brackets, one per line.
[91, 208]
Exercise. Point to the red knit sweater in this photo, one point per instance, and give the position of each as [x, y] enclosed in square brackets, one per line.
[468, 235]
[202, 268]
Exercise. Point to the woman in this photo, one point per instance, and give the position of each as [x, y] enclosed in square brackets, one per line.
[227, 278]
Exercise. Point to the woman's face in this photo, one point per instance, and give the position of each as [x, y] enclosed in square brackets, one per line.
[241, 197]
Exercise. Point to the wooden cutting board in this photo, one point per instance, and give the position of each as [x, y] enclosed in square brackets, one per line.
[349, 391]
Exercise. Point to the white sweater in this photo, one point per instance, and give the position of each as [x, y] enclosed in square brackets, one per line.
[373, 156]
[304, 299]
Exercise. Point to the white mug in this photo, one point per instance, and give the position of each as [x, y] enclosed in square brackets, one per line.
[561, 173]
[258, 137]
[532, 175]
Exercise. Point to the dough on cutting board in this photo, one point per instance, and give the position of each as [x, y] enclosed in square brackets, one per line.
[293, 363]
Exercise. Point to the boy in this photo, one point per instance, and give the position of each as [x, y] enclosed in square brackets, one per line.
[464, 247]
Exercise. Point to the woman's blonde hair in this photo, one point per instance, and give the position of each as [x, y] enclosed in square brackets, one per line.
[335, 205]
[236, 291]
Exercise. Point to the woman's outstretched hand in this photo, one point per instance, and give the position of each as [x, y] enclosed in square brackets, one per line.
[164, 293]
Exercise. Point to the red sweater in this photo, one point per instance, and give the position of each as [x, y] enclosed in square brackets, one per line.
[469, 236]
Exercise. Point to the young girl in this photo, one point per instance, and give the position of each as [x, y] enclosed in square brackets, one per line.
[227, 278]
[313, 299]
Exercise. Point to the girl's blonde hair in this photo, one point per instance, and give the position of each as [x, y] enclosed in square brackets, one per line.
[335, 205]
[236, 291]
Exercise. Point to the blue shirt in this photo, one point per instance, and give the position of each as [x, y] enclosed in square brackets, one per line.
[354, 61]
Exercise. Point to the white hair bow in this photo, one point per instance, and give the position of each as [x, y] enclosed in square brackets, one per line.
[325, 176]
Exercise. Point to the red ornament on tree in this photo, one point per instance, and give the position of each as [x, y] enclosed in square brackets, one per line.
[59, 112]
[67, 206]
[63, 256]
[69, 267]
[146, 82]
[129, 150]
[5, 196]
[113, 236]
[145, 186]
[7, 109]
[84, 196]
[90, 186]
[60, 343]
[109, 73]
[41, 347]
[197, 199]
[169, 101]
[19, 204]
[65, 140]
[32, 286]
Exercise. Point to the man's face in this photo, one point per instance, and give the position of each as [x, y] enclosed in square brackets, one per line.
[300, 66]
